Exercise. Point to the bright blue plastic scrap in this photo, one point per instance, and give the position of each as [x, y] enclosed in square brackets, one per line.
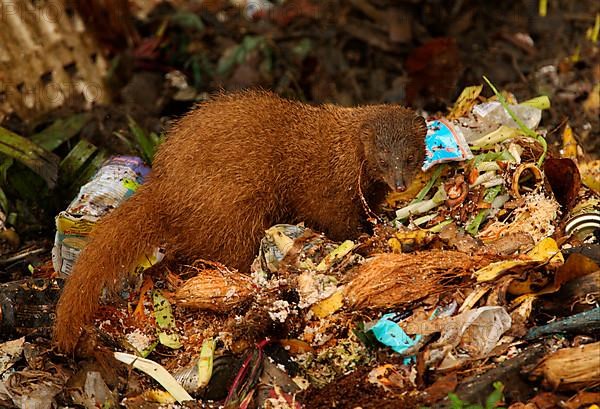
[389, 333]
[444, 143]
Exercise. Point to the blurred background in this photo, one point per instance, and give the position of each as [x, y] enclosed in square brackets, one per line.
[81, 80]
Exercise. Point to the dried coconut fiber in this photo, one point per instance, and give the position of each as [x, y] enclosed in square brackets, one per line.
[387, 280]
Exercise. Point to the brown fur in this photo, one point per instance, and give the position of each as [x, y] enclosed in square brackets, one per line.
[235, 166]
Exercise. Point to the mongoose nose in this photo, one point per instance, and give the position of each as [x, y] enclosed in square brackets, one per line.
[400, 187]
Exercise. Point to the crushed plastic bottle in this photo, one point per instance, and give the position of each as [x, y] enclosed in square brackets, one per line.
[115, 181]
[489, 116]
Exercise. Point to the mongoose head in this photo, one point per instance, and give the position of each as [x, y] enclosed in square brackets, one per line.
[394, 145]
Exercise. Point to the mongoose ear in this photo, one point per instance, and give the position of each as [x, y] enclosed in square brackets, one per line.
[420, 126]
[367, 134]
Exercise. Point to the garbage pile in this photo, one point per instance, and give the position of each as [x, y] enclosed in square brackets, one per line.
[479, 286]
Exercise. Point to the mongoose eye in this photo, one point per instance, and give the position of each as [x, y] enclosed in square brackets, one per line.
[410, 158]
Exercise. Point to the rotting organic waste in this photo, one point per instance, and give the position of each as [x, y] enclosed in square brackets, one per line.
[472, 252]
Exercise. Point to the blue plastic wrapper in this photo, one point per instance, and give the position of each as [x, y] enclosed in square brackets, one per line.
[444, 143]
[389, 333]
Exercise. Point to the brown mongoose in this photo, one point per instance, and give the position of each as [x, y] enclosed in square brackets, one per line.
[233, 167]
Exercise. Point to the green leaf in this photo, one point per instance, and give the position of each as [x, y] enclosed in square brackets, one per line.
[205, 363]
[503, 156]
[228, 60]
[237, 55]
[60, 131]
[303, 48]
[170, 340]
[71, 165]
[5, 164]
[165, 321]
[26, 184]
[455, 401]
[35, 157]
[366, 337]
[496, 396]
[490, 195]
[187, 20]
[432, 180]
[3, 201]
[438, 227]
[542, 102]
[146, 144]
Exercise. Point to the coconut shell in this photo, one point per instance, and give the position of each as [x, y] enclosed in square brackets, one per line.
[214, 290]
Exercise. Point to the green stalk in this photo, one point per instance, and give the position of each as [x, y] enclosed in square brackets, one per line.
[434, 177]
[490, 195]
[522, 126]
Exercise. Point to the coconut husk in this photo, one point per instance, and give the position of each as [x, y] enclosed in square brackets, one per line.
[572, 368]
[215, 290]
[387, 280]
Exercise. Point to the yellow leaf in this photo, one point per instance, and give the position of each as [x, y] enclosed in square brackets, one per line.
[328, 306]
[394, 197]
[569, 144]
[592, 103]
[465, 102]
[339, 252]
[590, 174]
[158, 396]
[409, 238]
[545, 251]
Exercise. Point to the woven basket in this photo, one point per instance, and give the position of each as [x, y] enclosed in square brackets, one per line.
[46, 57]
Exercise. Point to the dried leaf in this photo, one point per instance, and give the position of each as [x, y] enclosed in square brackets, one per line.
[565, 181]
[545, 251]
[329, 305]
[465, 102]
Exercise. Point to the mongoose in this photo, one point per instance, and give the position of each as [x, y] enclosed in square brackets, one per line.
[233, 167]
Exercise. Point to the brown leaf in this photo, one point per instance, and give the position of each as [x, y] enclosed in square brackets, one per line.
[577, 265]
[565, 180]
[440, 388]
